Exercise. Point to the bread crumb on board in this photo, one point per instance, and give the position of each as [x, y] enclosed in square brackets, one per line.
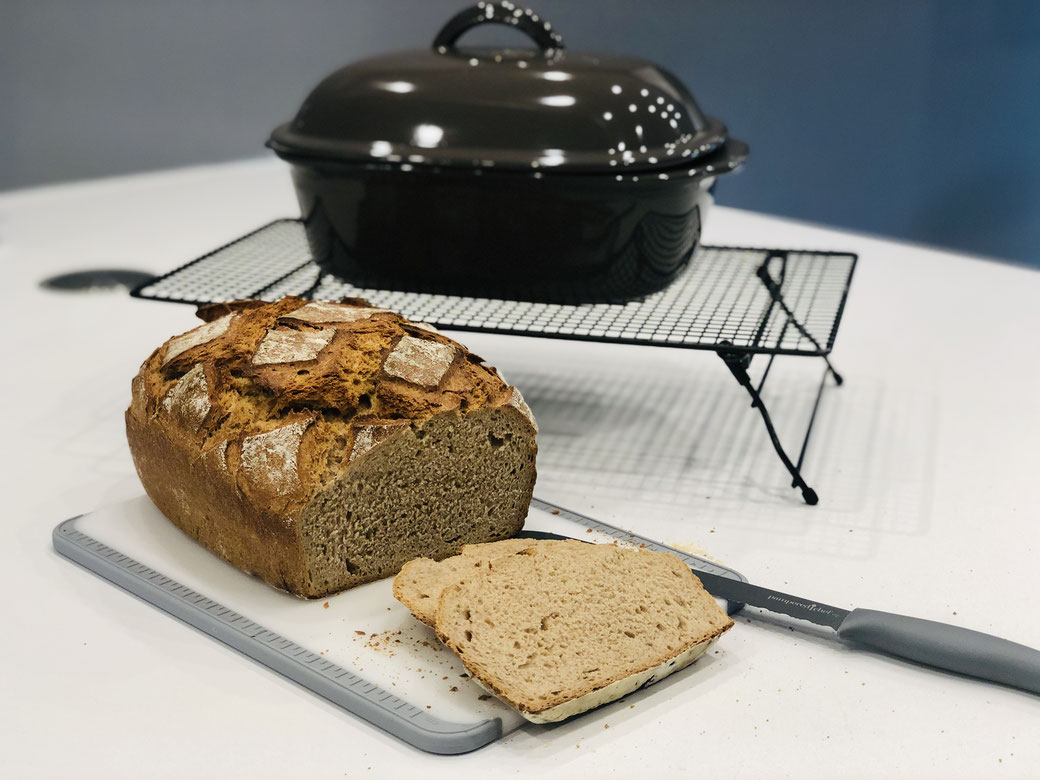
[381, 641]
[325, 605]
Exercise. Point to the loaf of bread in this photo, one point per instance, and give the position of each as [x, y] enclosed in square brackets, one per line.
[555, 628]
[323, 445]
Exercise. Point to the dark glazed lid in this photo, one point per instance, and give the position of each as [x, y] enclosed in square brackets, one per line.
[507, 108]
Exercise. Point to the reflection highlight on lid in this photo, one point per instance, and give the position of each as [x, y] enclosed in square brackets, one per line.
[557, 100]
[556, 75]
[427, 136]
[380, 148]
[400, 87]
[552, 157]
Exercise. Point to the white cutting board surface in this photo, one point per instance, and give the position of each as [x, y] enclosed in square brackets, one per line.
[363, 629]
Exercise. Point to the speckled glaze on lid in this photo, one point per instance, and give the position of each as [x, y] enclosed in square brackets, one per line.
[545, 108]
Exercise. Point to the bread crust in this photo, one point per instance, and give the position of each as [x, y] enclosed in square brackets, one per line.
[201, 498]
[238, 427]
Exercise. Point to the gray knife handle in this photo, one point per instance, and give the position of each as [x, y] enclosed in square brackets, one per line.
[945, 647]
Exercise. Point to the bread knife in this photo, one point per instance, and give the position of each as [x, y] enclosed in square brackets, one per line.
[927, 642]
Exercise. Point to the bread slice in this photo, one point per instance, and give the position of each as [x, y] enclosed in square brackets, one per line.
[420, 582]
[561, 627]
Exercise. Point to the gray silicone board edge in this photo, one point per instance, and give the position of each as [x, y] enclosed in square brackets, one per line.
[341, 686]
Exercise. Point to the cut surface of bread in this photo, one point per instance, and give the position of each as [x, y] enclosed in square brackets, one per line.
[562, 627]
[420, 582]
[422, 492]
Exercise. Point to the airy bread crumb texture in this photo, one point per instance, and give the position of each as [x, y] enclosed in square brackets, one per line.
[559, 621]
[421, 581]
[322, 445]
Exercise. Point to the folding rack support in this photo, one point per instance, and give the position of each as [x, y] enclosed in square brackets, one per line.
[738, 361]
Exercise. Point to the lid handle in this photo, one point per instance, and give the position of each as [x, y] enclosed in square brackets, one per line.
[539, 30]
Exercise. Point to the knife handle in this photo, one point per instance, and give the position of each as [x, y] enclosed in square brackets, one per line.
[945, 647]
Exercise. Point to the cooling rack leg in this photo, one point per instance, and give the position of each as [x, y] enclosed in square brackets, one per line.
[829, 371]
[837, 377]
[738, 364]
[775, 293]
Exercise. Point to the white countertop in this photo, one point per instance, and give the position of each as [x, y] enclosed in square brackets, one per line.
[926, 463]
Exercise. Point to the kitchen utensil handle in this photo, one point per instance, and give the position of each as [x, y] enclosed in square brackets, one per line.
[539, 30]
[946, 647]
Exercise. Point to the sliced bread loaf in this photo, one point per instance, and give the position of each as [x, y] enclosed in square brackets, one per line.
[322, 445]
[420, 582]
[561, 627]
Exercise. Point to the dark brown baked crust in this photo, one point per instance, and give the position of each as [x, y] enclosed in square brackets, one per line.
[238, 427]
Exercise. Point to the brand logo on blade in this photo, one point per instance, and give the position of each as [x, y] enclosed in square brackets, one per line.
[803, 605]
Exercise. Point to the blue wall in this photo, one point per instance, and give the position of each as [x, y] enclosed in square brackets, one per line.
[917, 119]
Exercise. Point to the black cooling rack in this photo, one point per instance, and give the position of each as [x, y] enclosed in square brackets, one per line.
[725, 297]
[737, 302]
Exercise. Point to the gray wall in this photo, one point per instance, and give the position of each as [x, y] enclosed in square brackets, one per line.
[914, 118]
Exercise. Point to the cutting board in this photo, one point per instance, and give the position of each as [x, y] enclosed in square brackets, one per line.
[361, 649]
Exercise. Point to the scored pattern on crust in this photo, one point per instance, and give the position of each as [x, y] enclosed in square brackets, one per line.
[216, 457]
[139, 397]
[419, 361]
[193, 338]
[292, 346]
[326, 311]
[269, 460]
[517, 402]
[188, 400]
[494, 370]
[367, 437]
